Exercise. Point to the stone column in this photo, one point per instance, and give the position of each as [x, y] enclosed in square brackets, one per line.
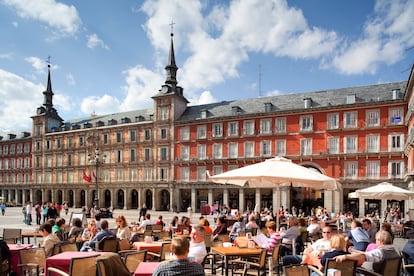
[241, 200]
[172, 196]
[153, 199]
[257, 199]
[193, 199]
[226, 197]
[361, 203]
[210, 197]
[328, 200]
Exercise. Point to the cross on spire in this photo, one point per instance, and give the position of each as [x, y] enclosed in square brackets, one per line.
[172, 27]
[48, 61]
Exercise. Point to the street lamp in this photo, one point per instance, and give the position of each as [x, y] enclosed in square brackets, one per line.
[95, 159]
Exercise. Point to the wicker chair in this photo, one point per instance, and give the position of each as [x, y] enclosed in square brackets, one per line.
[107, 244]
[79, 266]
[391, 267]
[165, 248]
[133, 259]
[347, 267]
[11, 235]
[32, 261]
[110, 264]
[296, 270]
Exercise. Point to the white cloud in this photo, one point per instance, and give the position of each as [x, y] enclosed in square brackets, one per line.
[205, 97]
[105, 104]
[385, 38]
[37, 63]
[62, 18]
[20, 98]
[94, 41]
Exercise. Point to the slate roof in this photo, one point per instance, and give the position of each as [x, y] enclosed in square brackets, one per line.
[295, 101]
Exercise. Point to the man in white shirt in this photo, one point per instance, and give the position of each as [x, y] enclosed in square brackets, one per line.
[197, 246]
[314, 227]
[320, 245]
[145, 222]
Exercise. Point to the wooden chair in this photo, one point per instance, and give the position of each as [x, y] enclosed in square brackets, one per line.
[32, 261]
[296, 270]
[253, 267]
[253, 231]
[12, 235]
[109, 264]
[391, 267]
[275, 258]
[215, 261]
[347, 267]
[165, 248]
[133, 259]
[107, 244]
[79, 266]
[224, 238]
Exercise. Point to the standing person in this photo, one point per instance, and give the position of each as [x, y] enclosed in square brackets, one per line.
[142, 212]
[45, 207]
[66, 208]
[52, 212]
[3, 208]
[38, 213]
[180, 265]
[29, 213]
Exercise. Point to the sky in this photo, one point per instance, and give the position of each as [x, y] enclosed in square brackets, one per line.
[110, 56]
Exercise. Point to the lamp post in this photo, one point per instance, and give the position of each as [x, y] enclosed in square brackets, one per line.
[95, 160]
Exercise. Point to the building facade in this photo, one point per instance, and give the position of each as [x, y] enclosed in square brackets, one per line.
[161, 156]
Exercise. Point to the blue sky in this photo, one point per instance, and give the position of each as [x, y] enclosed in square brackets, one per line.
[109, 56]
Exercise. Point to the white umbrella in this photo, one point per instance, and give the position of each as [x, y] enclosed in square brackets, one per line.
[385, 191]
[276, 172]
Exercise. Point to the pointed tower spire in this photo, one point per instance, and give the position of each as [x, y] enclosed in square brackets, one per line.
[48, 94]
[171, 67]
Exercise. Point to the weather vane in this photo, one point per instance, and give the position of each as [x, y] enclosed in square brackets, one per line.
[48, 61]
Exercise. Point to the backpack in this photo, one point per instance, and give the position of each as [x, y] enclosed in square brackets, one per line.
[24, 210]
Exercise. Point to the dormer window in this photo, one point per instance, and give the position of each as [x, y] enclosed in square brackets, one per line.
[235, 110]
[307, 102]
[351, 99]
[268, 107]
[204, 114]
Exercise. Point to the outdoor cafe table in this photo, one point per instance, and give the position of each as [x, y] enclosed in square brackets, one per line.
[28, 235]
[146, 268]
[62, 260]
[14, 255]
[234, 251]
[154, 247]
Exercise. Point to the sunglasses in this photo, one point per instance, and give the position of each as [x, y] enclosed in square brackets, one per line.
[326, 232]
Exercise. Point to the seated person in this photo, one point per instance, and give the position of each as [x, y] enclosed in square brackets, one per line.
[358, 236]
[289, 235]
[323, 244]
[76, 230]
[123, 232]
[197, 246]
[91, 245]
[89, 232]
[378, 256]
[49, 240]
[204, 222]
[338, 247]
[59, 228]
[180, 265]
[237, 228]
[145, 222]
[220, 229]
[252, 223]
[274, 236]
[314, 227]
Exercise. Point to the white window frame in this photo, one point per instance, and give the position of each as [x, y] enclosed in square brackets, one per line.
[185, 152]
[248, 128]
[281, 147]
[202, 132]
[333, 144]
[395, 142]
[249, 149]
[373, 169]
[351, 119]
[218, 130]
[217, 151]
[185, 174]
[306, 123]
[185, 133]
[233, 129]
[266, 126]
[201, 173]
[372, 118]
[373, 142]
[351, 144]
[233, 150]
[333, 121]
[396, 116]
[306, 146]
[280, 125]
[396, 169]
[351, 170]
[201, 152]
[266, 148]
